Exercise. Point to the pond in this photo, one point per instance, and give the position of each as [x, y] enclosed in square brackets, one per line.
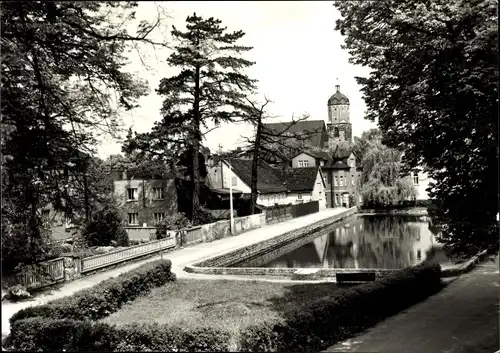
[360, 241]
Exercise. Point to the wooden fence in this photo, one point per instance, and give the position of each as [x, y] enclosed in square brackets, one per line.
[278, 212]
[302, 209]
[38, 276]
[115, 257]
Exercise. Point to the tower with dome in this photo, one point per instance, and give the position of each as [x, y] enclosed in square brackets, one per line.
[339, 124]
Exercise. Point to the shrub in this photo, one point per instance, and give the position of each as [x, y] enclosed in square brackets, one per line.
[173, 222]
[46, 334]
[105, 298]
[122, 237]
[20, 246]
[333, 318]
[203, 216]
[17, 292]
[105, 226]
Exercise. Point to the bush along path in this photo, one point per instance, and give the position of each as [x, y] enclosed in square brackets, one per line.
[71, 323]
[462, 318]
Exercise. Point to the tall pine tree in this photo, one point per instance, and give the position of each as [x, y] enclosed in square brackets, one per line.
[210, 87]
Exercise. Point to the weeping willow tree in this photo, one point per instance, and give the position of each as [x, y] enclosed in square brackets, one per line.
[381, 180]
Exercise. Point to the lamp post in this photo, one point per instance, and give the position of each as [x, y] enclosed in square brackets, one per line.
[231, 224]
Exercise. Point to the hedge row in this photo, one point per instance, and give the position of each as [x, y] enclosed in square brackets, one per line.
[106, 297]
[334, 318]
[312, 328]
[44, 334]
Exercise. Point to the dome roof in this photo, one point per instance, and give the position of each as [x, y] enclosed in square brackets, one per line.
[338, 98]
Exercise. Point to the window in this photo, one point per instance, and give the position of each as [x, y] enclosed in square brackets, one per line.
[336, 131]
[352, 180]
[321, 162]
[342, 181]
[158, 193]
[299, 196]
[132, 194]
[234, 181]
[415, 179]
[133, 219]
[159, 216]
[45, 215]
[336, 181]
[419, 254]
[303, 163]
[326, 180]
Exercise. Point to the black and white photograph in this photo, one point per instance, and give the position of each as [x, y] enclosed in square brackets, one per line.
[250, 176]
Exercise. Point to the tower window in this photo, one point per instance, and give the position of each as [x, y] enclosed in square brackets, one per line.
[415, 179]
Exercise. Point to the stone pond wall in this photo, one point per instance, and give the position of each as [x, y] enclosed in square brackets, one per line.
[224, 261]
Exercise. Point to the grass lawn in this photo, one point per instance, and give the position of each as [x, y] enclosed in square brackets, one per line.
[230, 304]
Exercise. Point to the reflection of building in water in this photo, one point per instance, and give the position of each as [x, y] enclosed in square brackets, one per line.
[422, 243]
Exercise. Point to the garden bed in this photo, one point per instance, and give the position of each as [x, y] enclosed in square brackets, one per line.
[225, 304]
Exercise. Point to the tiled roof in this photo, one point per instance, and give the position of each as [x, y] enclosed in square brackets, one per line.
[339, 165]
[300, 179]
[338, 98]
[318, 154]
[267, 178]
[271, 180]
[315, 128]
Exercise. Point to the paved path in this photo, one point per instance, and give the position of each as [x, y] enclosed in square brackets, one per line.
[180, 258]
[462, 318]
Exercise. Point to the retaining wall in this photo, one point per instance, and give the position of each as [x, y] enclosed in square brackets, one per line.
[221, 264]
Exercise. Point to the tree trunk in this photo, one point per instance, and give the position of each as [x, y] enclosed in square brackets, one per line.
[86, 198]
[196, 146]
[255, 164]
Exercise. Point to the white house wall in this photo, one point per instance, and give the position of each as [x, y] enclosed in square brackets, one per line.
[272, 199]
[293, 197]
[303, 157]
[423, 184]
[318, 193]
[215, 178]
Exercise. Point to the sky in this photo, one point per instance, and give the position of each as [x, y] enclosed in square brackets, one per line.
[298, 59]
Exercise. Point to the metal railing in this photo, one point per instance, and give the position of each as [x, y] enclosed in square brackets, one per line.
[114, 257]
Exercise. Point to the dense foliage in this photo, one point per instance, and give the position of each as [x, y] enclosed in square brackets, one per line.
[433, 88]
[363, 144]
[208, 90]
[381, 182]
[105, 227]
[175, 222]
[63, 83]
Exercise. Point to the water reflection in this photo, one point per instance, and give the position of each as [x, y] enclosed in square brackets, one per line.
[366, 241]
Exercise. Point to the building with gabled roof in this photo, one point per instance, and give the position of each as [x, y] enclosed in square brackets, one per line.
[274, 185]
[304, 185]
[340, 174]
